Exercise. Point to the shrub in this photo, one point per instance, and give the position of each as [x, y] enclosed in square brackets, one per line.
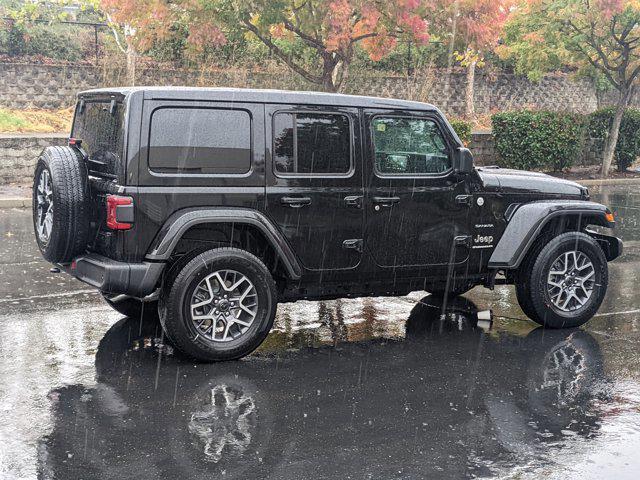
[463, 129]
[539, 140]
[628, 146]
[58, 41]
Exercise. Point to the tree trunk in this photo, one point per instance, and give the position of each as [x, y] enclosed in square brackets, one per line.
[614, 130]
[452, 43]
[131, 65]
[329, 72]
[339, 77]
[470, 95]
[327, 84]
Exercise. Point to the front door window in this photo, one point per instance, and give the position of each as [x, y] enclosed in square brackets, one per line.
[409, 146]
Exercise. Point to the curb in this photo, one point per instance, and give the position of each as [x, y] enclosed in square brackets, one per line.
[609, 181]
[15, 202]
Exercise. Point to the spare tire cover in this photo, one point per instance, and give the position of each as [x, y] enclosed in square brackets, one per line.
[61, 204]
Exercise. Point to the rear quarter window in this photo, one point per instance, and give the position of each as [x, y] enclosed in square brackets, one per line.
[185, 140]
[101, 129]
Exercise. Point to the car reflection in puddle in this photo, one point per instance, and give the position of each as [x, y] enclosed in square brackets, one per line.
[409, 392]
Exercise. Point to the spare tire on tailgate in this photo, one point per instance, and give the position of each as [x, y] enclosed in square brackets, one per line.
[61, 204]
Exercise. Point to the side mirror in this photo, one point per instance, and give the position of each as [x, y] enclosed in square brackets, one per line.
[463, 160]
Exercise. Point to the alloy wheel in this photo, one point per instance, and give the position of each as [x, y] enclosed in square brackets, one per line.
[570, 281]
[224, 305]
[44, 199]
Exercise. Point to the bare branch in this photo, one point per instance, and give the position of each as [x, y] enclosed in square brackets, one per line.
[362, 37]
[281, 54]
[599, 67]
[308, 39]
[116, 35]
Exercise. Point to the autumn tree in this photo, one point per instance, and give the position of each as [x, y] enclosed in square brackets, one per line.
[135, 24]
[314, 38]
[603, 35]
[472, 28]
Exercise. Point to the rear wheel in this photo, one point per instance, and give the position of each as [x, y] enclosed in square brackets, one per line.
[567, 282]
[220, 305]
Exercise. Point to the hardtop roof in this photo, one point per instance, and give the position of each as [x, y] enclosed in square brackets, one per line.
[259, 96]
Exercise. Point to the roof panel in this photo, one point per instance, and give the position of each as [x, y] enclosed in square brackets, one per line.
[262, 96]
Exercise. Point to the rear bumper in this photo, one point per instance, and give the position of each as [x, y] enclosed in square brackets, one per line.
[110, 276]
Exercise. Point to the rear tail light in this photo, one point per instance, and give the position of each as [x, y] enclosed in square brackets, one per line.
[119, 212]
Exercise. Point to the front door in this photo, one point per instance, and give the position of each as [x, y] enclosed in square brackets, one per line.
[314, 183]
[417, 208]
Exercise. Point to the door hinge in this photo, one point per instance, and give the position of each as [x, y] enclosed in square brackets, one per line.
[353, 244]
[464, 199]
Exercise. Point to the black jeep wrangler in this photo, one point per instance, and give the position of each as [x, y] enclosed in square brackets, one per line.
[211, 205]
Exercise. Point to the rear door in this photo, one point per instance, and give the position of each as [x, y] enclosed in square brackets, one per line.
[314, 183]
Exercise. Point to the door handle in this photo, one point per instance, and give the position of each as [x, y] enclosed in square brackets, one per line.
[464, 199]
[353, 201]
[462, 240]
[385, 201]
[295, 202]
[353, 244]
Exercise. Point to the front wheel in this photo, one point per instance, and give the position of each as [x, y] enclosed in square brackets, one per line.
[219, 306]
[567, 283]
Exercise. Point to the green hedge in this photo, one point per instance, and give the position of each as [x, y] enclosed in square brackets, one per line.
[57, 41]
[463, 129]
[628, 146]
[538, 140]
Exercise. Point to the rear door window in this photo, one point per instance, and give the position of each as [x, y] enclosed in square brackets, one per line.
[307, 144]
[186, 140]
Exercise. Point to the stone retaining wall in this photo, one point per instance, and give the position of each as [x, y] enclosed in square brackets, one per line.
[483, 148]
[19, 153]
[55, 86]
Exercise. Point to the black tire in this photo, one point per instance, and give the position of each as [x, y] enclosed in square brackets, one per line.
[132, 307]
[533, 293]
[174, 306]
[524, 299]
[523, 293]
[69, 230]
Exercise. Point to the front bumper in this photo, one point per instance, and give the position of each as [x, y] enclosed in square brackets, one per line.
[110, 276]
[611, 246]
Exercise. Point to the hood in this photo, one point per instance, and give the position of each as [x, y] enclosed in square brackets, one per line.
[507, 180]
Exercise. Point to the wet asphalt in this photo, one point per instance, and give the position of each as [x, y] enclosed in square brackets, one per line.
[379, 388]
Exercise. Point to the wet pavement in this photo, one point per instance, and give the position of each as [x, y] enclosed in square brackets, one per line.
[362, 388]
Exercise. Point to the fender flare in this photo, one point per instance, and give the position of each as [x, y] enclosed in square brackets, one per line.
[526, 222]
[179, 222]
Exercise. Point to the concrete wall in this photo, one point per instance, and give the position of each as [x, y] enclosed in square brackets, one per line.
[55, 86]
